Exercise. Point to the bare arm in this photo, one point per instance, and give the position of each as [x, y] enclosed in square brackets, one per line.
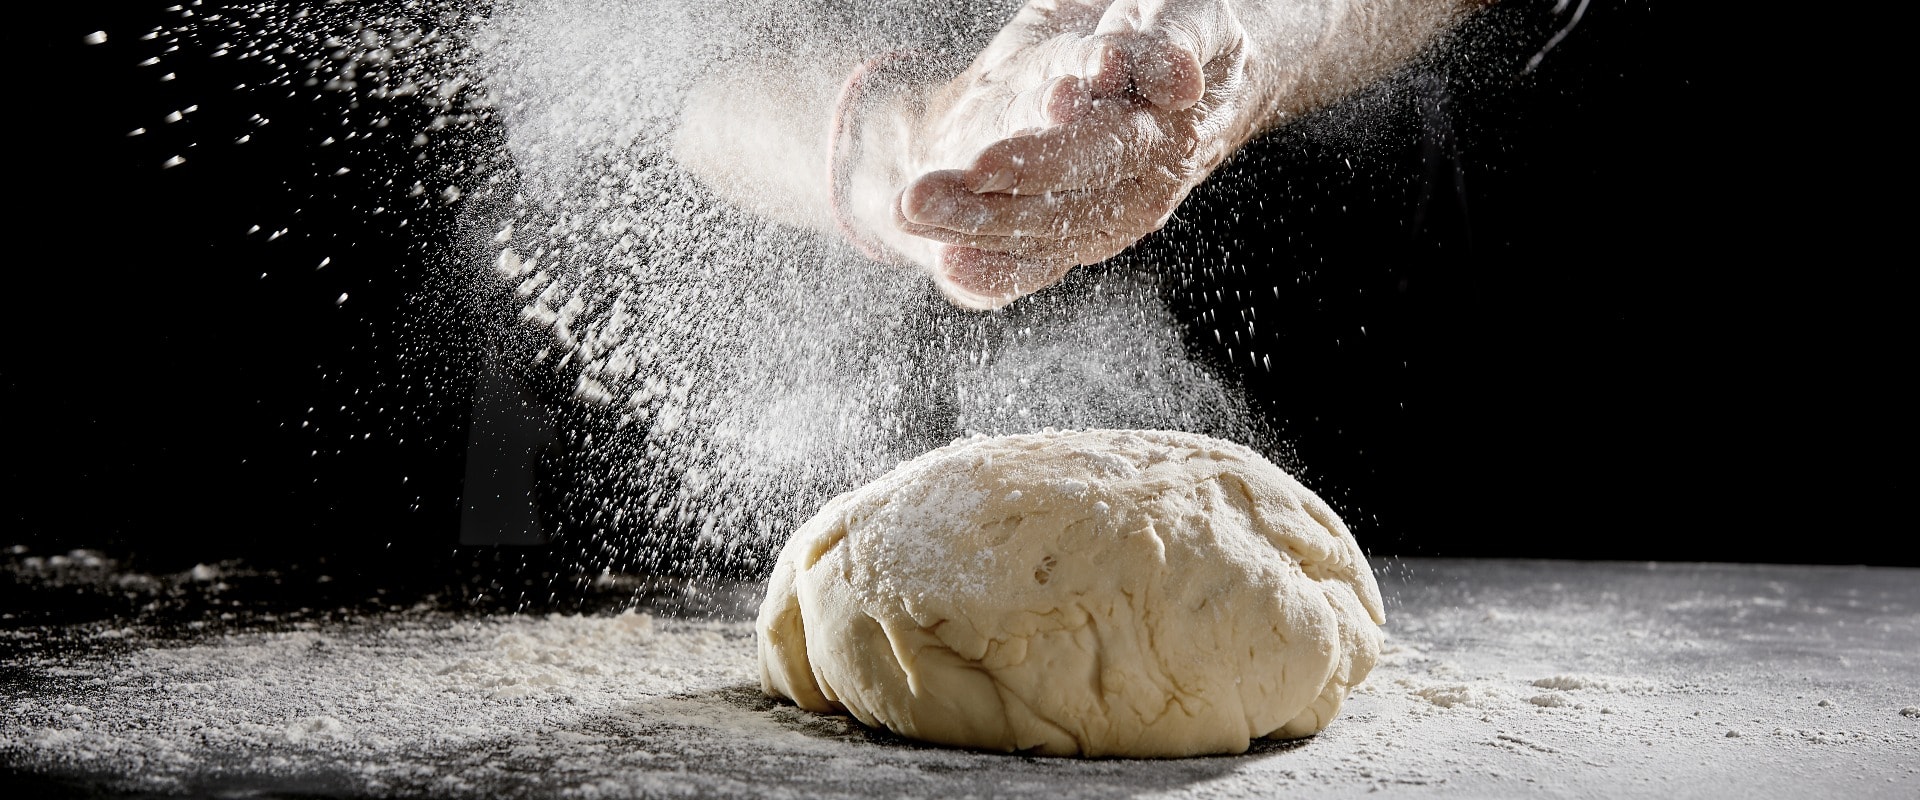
[1076, 132]
[1306, 54]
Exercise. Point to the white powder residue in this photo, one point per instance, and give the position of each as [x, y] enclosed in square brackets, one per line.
[928, 516]
[1564, 682]
[727, 374]
[1455, 694]
[735, 373]
[386, 702]
[423, 703]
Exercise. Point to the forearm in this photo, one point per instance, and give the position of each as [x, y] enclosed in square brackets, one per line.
[827, 138]
[1306, 54]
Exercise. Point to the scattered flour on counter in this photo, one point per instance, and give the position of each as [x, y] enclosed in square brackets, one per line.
[1598, 684]
[1455, 694]
[388, 697]
[424, 703]
[1565, 682]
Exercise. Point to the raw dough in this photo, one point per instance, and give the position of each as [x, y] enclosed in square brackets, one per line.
[1096, 593]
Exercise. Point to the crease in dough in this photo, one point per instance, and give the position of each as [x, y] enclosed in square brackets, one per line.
[1091, 593]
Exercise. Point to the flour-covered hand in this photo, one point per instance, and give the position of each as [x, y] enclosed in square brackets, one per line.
[1085, 123]
[1075, 134]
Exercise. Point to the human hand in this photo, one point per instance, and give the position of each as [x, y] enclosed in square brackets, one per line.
[1074, 134]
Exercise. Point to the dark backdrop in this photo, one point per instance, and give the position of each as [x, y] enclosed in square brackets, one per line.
[1611, 309]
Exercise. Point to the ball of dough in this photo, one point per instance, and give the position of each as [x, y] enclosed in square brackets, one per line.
[1094, 593]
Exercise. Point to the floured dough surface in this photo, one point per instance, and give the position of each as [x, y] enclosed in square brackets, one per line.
[1096, 593]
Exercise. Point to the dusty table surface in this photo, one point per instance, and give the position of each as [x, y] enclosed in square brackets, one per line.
[1500, 679]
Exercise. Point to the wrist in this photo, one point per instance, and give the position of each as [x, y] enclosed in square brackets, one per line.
[1290, 57]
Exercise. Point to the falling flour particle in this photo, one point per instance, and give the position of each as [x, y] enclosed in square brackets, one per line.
[740, 373]
[730, 373]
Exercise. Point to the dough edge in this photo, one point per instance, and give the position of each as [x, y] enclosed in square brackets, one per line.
[837, 637]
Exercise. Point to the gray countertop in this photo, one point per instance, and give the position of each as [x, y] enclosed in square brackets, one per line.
[1500, 678]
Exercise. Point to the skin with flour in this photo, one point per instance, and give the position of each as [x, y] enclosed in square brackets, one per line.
[1094, 593]
[1075, 132]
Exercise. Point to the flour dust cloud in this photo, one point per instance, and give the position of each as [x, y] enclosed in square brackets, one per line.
[727, 374]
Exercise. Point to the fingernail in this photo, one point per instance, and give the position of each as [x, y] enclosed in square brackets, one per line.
[934, 208]
[998, 180]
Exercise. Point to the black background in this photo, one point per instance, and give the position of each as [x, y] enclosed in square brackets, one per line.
[1613, 309]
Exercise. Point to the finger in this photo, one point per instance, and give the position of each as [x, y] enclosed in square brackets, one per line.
[1167, 74]
[941, 199]
[1027, 247]
[975, 278]
[1056, 101]
[981, 280]
[1024, 56]
[968, 300]
[1104, 68]
[1110, 144]
[1079, 251]
[1097, 60]
[1169, 45]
